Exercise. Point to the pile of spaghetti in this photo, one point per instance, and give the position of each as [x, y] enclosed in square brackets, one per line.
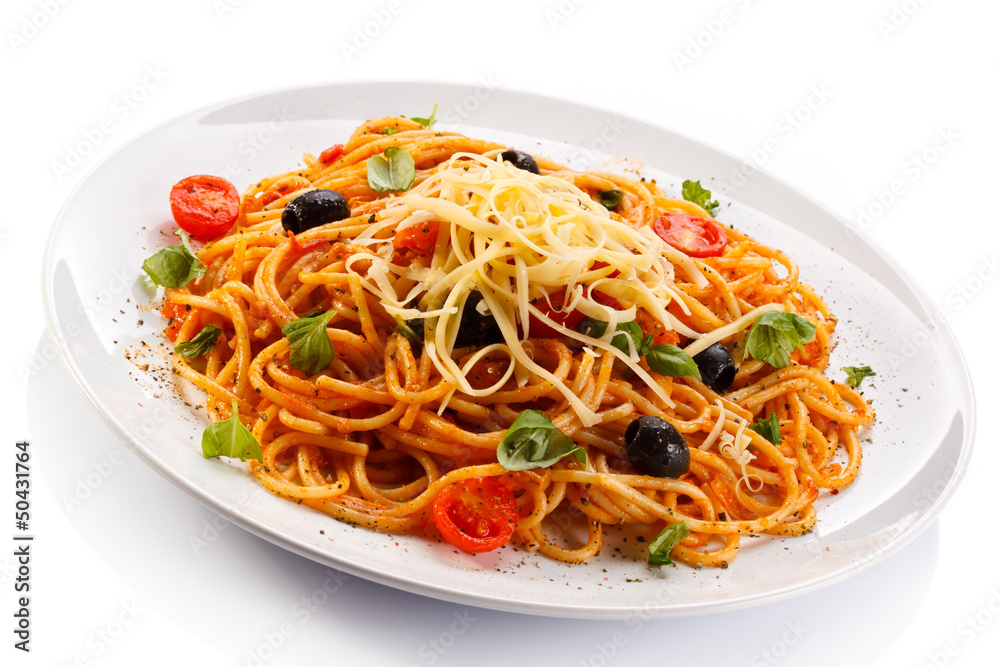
[454, 302]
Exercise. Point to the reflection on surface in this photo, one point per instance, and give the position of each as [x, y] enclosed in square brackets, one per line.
[254, 600]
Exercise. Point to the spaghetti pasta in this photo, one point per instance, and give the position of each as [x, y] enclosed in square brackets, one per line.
[412, 402]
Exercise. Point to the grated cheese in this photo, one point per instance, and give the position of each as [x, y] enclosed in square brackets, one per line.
[516, 237]
[707, 340]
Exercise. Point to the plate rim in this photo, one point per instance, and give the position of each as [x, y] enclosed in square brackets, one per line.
[528, 606]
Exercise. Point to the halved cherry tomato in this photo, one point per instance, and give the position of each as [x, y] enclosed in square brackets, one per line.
[651, 325]
[570, 319]
[175, 315]
[204, 206]
[698, 237]
[331, 153]
[487, 372]
[476, 515]
[421, 238]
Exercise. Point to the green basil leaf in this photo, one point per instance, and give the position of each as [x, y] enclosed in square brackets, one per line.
[411, 330]
[201, 344]
[533, 441]
[775, 335]
[230, 438]
[768, 428]
[428, 122]
[855, 374]
[174, 266]
[389, 131]
[673, 361]
[591, 327]
[660, 548]
[311, 349]
[393, 170]
[693, 192]
[663, 359]
[611, 198]
[623, 332]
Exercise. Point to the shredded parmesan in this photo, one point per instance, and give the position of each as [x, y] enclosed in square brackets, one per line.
[732, 447]
[717, 429]
[517, 237]
[735, 448]
[707, 340]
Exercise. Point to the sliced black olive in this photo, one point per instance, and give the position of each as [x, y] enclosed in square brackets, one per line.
[656, 448]
[718, 370]
[520, 159]
[475, 329]
[314, 208]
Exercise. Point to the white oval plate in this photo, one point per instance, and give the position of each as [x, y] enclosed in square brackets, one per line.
[97, 310]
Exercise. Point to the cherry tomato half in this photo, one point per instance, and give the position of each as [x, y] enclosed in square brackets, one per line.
[651, 325]
[487, 372]
[698, 237]
[204, 206]
[420, 238]
[476, 515]
[175, 315]
[331, 153]
[570, 319]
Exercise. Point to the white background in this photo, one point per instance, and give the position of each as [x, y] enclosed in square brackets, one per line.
[115, 582]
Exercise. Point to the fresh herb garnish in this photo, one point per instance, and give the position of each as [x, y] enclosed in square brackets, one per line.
[768, 428]
[664, 359]
[775, 334]
[389, 131]
[230, 438]
[411, 330]
[201, 344]
[611, 198]
[626, 331]
[855, 374]
[393, 170]
[592, 328]
[428, 122]
[311, 349]
[694, 193]
[174, 266]
[533, 441]
[660, 548]
[672, 361]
